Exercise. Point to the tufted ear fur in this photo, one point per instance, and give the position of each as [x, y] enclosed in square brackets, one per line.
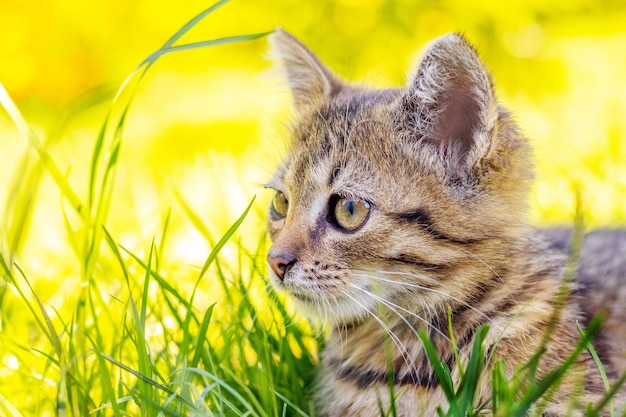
[450, 105]
[310, 81]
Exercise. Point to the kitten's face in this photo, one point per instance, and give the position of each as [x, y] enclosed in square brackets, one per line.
[371, 207]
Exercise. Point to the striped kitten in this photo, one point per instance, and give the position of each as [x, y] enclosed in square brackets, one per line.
[415, 199]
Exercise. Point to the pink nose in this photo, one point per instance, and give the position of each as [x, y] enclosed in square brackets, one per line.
[280, 264]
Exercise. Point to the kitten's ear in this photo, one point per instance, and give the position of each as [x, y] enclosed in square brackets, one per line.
[310, 81]
[450, 105]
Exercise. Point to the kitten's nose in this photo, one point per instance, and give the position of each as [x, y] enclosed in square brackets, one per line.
[281, 263]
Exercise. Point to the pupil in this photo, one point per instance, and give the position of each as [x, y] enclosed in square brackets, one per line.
[351, 208]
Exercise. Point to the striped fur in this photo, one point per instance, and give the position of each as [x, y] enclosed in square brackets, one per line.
[446, 173]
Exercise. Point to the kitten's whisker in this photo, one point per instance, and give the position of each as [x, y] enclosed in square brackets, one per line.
[404, 353]
[422, 277]
[488, 266]
[396, 340]
[423, 288]
[392, 306]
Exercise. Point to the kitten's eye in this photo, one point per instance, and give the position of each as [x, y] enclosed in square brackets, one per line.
[280, 205]
[349, 213]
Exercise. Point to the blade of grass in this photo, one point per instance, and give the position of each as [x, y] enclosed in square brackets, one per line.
[138, 374]
[552, 379]
[201, 336]
[14, 114]
[599, 408]
[212, 256]
[164, 234]
[596, 359]
[27, 176]
[144, 361]
[194, 21]
[220, 244]
[203, 44]
[204, 230]
[197, 222]
[472, 376]
[571, 267]
[56, 343]
[11, 278]
[455, 349]
[251, 402]
[105, 374]
[134, 80]
[440, 369]
[290, 403]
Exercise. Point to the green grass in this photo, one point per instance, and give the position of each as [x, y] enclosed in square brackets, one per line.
[245, 357]
[135, 340]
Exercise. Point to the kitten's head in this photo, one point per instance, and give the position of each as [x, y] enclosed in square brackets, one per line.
[408, 197]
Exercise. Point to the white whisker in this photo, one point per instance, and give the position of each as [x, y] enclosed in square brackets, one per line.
[392, 306]
[396, 340]
[423, 288]
[488, 267]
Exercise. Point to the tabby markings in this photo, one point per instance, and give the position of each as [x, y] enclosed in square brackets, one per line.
[364, 377]
[422, 219]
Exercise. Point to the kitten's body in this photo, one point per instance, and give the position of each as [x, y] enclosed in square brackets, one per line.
[415, 199]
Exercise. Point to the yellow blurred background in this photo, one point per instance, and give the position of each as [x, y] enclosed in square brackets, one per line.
[208, 125]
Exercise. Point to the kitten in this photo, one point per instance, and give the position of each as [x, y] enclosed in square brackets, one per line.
[415, 199]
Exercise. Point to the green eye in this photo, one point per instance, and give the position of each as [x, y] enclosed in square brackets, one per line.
[280, 205]
[349, 213]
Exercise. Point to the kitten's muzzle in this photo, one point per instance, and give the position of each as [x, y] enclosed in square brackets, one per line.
[281, 264]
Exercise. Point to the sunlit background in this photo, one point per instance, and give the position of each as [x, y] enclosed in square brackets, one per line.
[207, 126]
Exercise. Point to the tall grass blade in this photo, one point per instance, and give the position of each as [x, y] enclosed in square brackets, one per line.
[123, 99]
[552, 379]
[220, 244]
[441, 371]
[24, 188]
[11, 278]
[194, 21]
[56, 343]
[106, 378]
[596, 358]
[203, 44]
[14, 114]
[472, 376]
[143, 356]
[250, 402]
[197, 222]
[163, 284]
[201, 336]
